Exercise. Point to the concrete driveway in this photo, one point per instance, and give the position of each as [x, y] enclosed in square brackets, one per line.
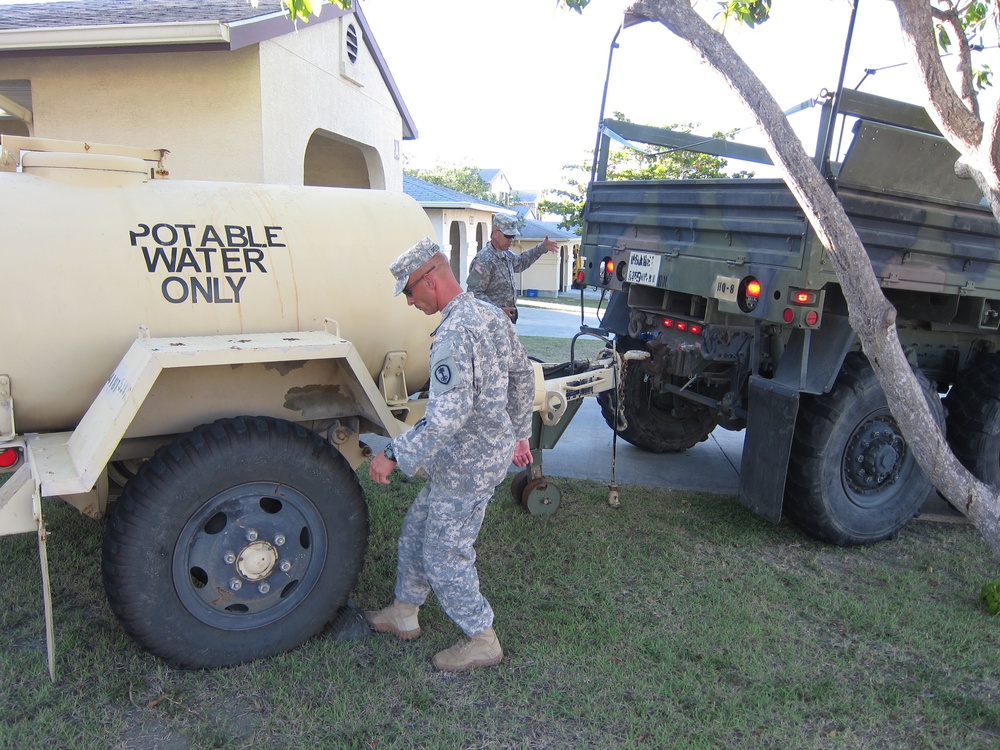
[586, 449]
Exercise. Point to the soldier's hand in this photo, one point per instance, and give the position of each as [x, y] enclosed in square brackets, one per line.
[380, 469]
[522, 453]
[550, 245]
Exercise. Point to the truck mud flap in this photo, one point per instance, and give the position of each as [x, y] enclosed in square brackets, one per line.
[767, 445]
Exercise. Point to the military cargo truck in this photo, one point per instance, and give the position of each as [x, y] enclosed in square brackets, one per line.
[209, 355]
[724, 288]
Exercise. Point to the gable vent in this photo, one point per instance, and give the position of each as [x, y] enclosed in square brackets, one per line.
[352, 43]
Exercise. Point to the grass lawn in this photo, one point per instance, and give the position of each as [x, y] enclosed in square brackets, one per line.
[554, 349]
[679, 620]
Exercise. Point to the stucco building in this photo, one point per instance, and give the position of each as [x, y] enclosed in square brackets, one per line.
[235, 92]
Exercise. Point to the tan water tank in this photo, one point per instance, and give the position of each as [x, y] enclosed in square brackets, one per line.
[85, 262]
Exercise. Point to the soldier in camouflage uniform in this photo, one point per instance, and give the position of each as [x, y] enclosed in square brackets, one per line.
[478, 420]
[491, 275]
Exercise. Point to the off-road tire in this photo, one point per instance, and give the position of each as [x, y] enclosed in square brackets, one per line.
[195, 548]
[974, 419]
[656, 422]
[826, 495]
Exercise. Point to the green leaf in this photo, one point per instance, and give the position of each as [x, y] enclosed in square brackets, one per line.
[991, 595]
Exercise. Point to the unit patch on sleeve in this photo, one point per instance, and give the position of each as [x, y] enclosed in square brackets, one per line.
[444, 371]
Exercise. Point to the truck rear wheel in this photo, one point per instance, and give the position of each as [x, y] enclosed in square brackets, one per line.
[656, 422]
[851, 477]
[974, 419]
[239, 540]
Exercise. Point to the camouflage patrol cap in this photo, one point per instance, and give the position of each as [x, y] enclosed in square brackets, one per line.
[411, 259]
[506, 223]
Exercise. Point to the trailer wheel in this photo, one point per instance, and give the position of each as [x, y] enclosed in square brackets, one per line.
[656, 422]
[974, 419]
[852, 479]
[239, 540]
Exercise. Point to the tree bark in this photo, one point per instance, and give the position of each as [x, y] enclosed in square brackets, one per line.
[871, 315]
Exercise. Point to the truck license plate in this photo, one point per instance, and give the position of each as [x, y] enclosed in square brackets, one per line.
[725, 288]
[643, 268]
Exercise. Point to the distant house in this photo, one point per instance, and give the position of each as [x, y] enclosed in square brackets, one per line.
[499, 184]
[526, 204]
[551, 273]
[466, 222]
[235, 92]
[462, 221]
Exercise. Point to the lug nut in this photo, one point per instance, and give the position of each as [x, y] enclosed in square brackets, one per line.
[251, 535]
[236, 584]
[264, 587]
[285, 566]
[229, 558]
[279, 539]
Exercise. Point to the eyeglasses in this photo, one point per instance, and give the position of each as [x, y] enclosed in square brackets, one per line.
[509, 236]
[408, 289]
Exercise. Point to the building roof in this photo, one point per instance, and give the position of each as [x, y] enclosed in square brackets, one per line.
[431, 195]
[108, 26]
[488, 175]
[120, 12]
[537, 230]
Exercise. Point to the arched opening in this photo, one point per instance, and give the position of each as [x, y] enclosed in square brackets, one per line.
[15, 107]
[480, 236]
[332, 161]
[456, 238]
[12, 126]
[562, 268]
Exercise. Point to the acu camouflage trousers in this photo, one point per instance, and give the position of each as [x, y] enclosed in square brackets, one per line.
[437, 553]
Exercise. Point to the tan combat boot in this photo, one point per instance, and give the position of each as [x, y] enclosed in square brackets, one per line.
[481, 650]
[399, 618]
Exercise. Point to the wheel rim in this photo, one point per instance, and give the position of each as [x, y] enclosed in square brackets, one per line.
[540, 497]
[249, 555]
[875, 459]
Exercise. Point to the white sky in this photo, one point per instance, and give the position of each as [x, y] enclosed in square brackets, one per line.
[517, 84]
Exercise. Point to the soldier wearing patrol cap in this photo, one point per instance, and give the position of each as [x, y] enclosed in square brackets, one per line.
[491, 275]
[478, 420]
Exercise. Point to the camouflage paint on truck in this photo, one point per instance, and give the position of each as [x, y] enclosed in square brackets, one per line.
[726, 286]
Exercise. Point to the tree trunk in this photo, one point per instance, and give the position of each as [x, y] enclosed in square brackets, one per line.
[871, 315]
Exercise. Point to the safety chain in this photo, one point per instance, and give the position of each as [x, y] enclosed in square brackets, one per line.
[614, 498]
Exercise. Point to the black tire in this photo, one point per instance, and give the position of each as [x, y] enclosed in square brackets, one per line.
[974, 419]
[656, 422]
[851, 478]
[183, 533]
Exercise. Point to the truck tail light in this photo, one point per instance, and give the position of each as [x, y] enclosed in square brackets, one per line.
[682, 325]
[8, 457]
[802, 296]
[811, 318]
[749, 294]
[578, 279]
[607, 268]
